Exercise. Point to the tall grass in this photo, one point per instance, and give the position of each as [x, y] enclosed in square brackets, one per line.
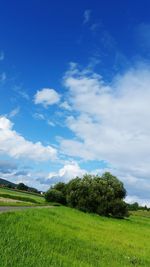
[65, 237]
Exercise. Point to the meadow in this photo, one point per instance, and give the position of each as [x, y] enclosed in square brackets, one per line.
[26, 197]
[65, 237]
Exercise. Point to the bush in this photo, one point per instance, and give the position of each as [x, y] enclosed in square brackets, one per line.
[62, 187]
[119, 209]
[102, 195]
[53, 195]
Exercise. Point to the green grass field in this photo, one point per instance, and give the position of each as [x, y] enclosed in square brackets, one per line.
[22, 196]
[66, 237]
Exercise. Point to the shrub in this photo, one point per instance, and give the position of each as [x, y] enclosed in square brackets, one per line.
[53, 195]
[62, 187]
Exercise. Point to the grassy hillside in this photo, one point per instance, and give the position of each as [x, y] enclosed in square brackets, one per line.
[22, 196]
[66, 237]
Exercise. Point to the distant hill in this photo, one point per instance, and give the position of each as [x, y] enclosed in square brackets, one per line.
[25, 188]
[6, 183]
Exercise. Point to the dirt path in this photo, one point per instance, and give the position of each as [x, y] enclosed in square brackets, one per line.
[10, 208]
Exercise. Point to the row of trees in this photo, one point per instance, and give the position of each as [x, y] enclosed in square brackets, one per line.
[102, 195]
[135, 206]
[23, 187]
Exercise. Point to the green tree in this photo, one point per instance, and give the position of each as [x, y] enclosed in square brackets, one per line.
[103, 195]
[53, 195]
[98, 194]
[22, 186]
[61, 187]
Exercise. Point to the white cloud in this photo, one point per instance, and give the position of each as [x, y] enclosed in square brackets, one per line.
[16, 146]
[111, 121]
[86, 16]
[64, 174]
[46, 97]
[65, 105]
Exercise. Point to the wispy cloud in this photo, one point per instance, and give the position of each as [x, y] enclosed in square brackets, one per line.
[3, 77]
[86, 16]
[24, 95]
[94, 27]
[39, 116]
[14, 112]
[2, 55]
[21, 92]
[143, 36]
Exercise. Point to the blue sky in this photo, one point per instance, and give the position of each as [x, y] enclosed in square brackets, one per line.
[74, 92]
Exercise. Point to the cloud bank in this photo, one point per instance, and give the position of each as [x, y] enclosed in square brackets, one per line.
[110, 122]
[16, 146]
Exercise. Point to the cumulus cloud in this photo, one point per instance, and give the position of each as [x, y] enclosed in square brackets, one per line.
[46, 97]
[16, 146]
[110, 121]
[65, 174]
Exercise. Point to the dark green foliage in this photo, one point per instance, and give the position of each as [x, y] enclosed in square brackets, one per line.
[119, 209]
[10, 186]
[62, 187]
[33, 190]
[135, 206]
[102, 195]
[54, 195]
[22, 186]
[6, 183]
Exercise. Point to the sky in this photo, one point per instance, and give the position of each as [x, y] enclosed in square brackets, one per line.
[75, 92]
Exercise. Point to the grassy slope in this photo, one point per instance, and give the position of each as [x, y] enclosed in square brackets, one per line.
[66, 237]
[21, 196]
